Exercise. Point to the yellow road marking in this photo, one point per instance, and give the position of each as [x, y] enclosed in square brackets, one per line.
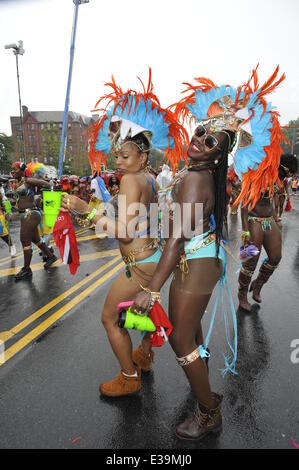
[20, 344]
[5, 335]
[58, 263]
[92, 237]
[20, 255]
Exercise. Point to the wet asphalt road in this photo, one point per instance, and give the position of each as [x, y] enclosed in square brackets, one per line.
[49, 389]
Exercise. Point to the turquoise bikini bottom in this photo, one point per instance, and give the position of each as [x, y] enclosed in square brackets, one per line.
[155, 258]
[196, 248]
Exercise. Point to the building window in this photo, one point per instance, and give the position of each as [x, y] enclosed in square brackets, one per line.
[60, 125]
[70, 137]
[32, 127]
[49, 126]
[69, 125]
[70, 148]
[42, 127]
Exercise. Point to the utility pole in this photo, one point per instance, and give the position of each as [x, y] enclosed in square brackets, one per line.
[68, 88]
[18, 50]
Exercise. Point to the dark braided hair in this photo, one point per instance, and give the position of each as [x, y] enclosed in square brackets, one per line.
[290, 161]
[220, 181]
[141, 140]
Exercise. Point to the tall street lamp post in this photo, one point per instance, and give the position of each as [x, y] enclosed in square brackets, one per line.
[67, 98]
[18, 50]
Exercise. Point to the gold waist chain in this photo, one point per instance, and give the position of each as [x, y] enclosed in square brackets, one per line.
[130, 259]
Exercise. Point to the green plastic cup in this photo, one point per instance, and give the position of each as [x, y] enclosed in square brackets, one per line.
[132, 321]
[51, 205]
[7, 206]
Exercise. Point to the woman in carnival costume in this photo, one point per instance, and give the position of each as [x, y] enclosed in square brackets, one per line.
[29, 177]
[227, 122]
[5, 210]
[282, 189]
[131, 124]
[261, 228]
[258, 171]
[235, 185]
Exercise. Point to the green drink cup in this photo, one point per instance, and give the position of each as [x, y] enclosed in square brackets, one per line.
[51, 205]
[132, 321]
[7, 206]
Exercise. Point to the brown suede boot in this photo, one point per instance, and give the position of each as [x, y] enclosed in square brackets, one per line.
[121, 385]
[143, 360]
[203, 422]
[244, 281]
[266, 271]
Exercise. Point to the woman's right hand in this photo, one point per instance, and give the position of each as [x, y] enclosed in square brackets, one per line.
[70, 202]
[245, 236]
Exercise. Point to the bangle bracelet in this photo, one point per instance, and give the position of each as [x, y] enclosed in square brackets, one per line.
[92, 214]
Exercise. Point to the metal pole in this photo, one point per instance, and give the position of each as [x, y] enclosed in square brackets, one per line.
[21, 115]
[66, 106]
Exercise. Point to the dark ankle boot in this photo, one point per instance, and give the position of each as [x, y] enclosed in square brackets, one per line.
[25, 273]
[266, 271]
[244, 282]
[203, 422]
[50, 261]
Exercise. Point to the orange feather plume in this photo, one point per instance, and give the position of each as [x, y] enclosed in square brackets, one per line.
[118, 97]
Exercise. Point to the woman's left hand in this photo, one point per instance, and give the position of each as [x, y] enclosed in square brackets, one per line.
[70, 202]
[141, 302]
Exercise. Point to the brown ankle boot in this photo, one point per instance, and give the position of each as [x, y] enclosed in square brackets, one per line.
[121, 385]
[244, 282]
[203, 422]
[266, 271]
[143, 360]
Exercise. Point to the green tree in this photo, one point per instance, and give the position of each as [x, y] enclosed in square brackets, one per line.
[68, 168]
[292, 136]
[50, 143]
[81, 162]
[6, 152]
[110, 162]
[156, 159]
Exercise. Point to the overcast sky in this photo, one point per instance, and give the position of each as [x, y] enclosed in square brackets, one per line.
[179, 39]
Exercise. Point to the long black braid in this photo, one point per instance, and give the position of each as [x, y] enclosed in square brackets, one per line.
[220, 175]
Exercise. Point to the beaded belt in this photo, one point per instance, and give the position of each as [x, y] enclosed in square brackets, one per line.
[264, 221]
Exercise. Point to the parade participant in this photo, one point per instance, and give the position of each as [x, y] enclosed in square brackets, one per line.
[227, 119]
[235, 184]
[280, 196]
[260, 228]
[133, 124]
[294, 185]
[113, 185]
[4, 224]
[28, 178]
[66, 186]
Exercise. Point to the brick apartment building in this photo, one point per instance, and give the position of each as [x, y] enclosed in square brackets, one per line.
[42, 131]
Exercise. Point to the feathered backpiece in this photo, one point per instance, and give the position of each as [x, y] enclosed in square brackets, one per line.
[35, 169]
[127, 114]
[256, 150]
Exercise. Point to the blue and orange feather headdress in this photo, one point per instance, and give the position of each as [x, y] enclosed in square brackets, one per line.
[137, 112]
[244, 111]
